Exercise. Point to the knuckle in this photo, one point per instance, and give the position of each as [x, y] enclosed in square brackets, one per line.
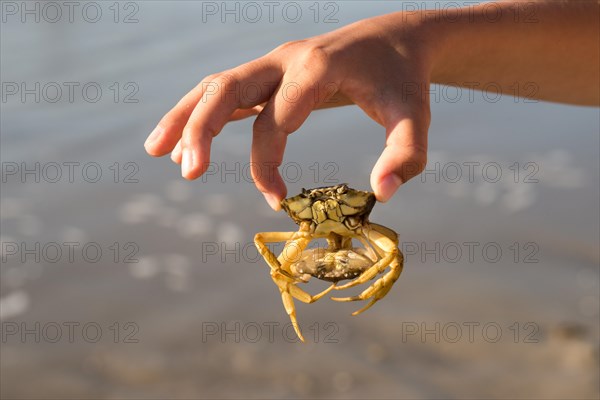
[290, 128]
[307, 53]
[316, 55]
[263, 124]
[266, 124]
[176, 116]
[228, 84]
[224, 86]
[227, 80]
[260, 179]
[210, 130]
[417, 157]
[209, 79]
[192, 134]
[289, 45]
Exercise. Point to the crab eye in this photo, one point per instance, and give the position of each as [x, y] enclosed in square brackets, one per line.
[342, 189]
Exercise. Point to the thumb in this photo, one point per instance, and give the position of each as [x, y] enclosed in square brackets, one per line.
[404, 155]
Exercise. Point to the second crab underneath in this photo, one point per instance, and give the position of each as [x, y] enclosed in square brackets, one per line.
[337, 214]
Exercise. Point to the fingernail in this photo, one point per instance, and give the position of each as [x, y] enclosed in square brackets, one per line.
[273, 201]
[154, 135]
[388, 186]
[187, 162]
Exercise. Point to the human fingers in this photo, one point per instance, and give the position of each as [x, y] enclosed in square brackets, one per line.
[167, 133]
[237, 115]
[245, 113]
[299, 93]
[216, 107]
[405, 152]
[176, 153]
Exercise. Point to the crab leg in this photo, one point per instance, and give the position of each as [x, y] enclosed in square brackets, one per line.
[260, 240]
[386, 245]
[379, 289]
[289, 291]
[386, 240]
[280, 269]
[373, 255]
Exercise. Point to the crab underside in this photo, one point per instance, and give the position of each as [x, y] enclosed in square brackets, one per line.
[337, 214]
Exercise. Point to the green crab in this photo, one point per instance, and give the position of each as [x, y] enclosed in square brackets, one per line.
[337, 214]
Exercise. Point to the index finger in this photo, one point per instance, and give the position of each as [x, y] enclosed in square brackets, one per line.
[240, 88]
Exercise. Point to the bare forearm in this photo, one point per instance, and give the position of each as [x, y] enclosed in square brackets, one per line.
[546, 49]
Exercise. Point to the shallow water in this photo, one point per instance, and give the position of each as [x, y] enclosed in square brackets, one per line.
[500, 292]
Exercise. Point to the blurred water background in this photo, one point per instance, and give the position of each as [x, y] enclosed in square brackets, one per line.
[179, 305]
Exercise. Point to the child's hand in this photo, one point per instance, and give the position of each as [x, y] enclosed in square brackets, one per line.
[385, 65]
[365, 63]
